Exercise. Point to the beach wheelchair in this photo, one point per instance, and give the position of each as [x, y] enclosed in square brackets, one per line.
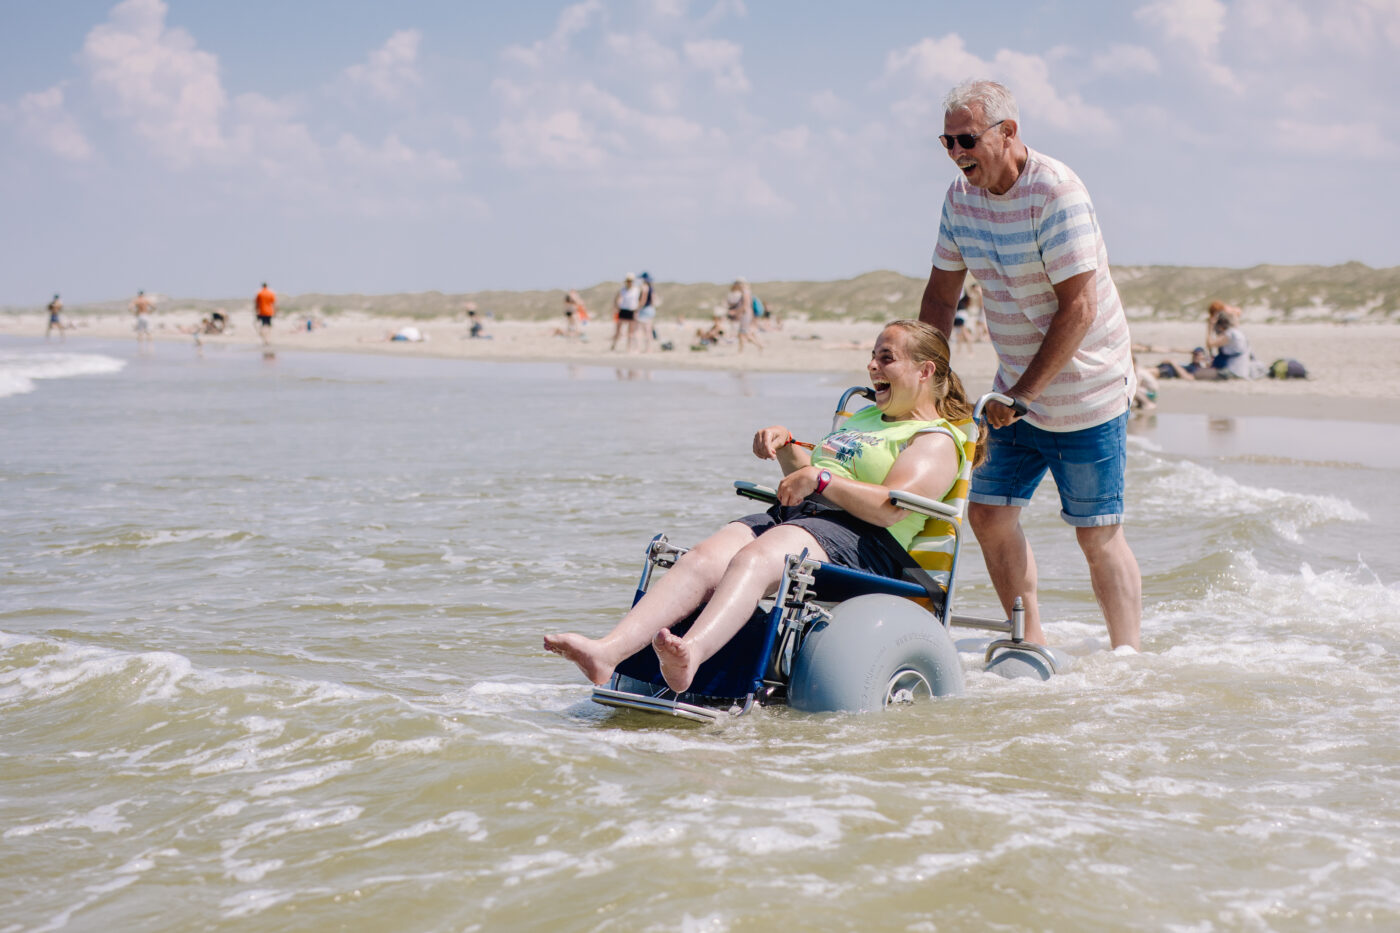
[837, 639]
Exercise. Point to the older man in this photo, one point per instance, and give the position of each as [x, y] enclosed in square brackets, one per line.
[1023, 225]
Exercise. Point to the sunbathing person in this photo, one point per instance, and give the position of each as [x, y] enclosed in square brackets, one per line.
[833, 502]
[1233, 357]
[1200, 362]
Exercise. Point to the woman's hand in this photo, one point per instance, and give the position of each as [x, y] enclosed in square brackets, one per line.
[798, 485]
[768, 441]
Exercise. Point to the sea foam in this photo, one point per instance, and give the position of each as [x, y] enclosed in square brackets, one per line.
[18, 371]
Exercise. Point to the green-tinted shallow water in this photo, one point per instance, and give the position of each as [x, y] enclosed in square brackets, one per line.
[269, 660]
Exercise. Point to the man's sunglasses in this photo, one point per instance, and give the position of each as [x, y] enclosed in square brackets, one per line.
[966, 140]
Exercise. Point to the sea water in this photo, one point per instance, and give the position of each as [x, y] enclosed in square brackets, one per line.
[270, 660]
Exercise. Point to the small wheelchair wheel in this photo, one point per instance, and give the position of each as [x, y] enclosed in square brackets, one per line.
[875, 651]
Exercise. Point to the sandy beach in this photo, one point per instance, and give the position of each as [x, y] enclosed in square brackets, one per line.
[1352, 369]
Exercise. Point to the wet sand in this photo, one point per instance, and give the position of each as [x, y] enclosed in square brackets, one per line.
[1353, 374]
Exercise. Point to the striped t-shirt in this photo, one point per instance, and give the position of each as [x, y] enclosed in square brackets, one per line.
[1019, 245]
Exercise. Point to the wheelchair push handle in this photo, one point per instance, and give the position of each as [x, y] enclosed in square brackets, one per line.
[1015, 404]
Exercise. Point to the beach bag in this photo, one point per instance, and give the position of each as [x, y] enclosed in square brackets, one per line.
[1288, 368]
[757, 306]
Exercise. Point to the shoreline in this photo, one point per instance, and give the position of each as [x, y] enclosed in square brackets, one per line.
[1352, 371]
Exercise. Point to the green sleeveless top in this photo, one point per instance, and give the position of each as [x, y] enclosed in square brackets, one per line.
[865, 448]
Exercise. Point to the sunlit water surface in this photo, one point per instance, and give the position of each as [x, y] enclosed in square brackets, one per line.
[269, 660]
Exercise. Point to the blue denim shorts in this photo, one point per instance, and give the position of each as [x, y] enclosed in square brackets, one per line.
[1088, 467]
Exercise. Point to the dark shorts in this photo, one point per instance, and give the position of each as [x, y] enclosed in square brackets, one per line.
[626, 315]
[847, 540]
[264, 321]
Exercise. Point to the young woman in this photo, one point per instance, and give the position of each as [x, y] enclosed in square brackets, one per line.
[832, 501]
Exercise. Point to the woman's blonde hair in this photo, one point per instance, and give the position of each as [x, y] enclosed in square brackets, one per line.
[926, 343]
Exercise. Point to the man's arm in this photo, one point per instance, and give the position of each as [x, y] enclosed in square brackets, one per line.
[940, 302]
[1078, 300]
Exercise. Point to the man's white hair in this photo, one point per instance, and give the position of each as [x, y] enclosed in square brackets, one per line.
[997, 102]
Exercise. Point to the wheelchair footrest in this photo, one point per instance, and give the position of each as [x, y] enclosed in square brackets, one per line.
[624, 700]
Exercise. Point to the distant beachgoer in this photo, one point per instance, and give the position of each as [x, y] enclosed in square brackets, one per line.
[408, 334]
[976, 312]
[646, 311]
[1145, 398]
[141, 306]
[706, 337]
[625, 304]
[1200, 362]
[1218, 307]
[1233, 357]
[477, 328]
[55, 319]
[571, 327]
[218, 322]
[265, 308]
[739, 304]
[961, 338]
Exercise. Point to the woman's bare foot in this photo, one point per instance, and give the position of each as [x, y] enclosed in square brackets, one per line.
[679, 660]
[583, 651]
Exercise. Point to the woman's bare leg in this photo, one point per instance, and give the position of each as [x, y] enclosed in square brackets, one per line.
[753, 573]
[671, 597]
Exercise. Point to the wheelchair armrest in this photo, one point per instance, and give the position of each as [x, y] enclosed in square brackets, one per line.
[930, 507]
[755, 491]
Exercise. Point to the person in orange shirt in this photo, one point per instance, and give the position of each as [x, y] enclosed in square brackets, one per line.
[265, 305]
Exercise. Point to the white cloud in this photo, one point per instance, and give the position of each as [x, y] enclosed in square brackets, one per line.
[1274, 24]
[1361, 25]
[1126, 59]
[573, 20]
[791, 142]
[828, 105]
[392, 69]
[1197, 25]
[562, 139]
[157, 79]
[931, 67]
[393, 157]
[642, 51]
[44, 121]
[721, 59]
[668, 9]
[1365, 139]
[722, 10]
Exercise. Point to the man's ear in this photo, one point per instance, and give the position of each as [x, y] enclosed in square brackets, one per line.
[1010, 128]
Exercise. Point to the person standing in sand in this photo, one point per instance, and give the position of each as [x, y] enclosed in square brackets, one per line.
[1024, 225]
[265, 309]
[739, 304]
[55, 318]
[625, 304]
[646, 310]
[141, 306]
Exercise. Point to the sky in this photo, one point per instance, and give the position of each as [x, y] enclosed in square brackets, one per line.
[197, 149]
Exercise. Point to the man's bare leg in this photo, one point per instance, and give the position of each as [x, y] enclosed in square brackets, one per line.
[753, 573]
[671, 597]
[1010, 562]
[1117, 581]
